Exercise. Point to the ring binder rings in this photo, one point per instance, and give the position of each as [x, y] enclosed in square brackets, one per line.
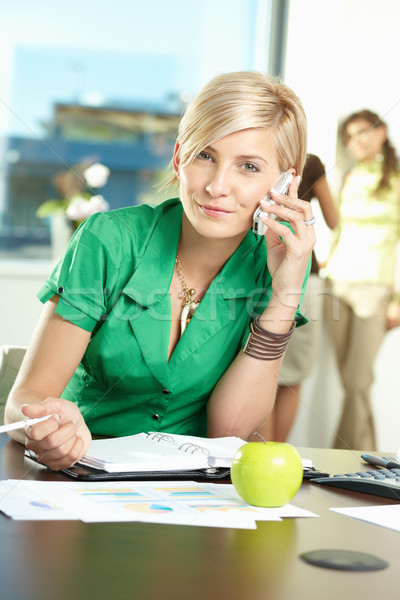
[188, 447]
[193, 448]
[158, 437]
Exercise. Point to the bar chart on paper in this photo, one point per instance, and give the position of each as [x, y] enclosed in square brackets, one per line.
[183, 503]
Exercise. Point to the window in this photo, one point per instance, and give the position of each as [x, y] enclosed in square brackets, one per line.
[87, 82]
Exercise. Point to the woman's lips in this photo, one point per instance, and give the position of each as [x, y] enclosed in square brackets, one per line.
[213, 211]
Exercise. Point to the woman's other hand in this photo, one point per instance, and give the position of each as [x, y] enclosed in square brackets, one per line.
[60, 441]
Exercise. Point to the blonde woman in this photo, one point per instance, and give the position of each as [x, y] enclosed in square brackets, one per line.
[146, 318]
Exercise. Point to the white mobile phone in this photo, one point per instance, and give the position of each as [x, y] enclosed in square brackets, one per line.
[281, 187]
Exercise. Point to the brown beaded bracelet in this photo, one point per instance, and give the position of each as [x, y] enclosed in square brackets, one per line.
[265, 345]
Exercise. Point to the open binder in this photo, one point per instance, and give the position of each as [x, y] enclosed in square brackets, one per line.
[161, 456]
[155, 456]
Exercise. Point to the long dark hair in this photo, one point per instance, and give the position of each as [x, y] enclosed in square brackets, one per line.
[390, 159]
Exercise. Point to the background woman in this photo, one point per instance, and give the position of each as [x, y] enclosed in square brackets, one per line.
[361, 270]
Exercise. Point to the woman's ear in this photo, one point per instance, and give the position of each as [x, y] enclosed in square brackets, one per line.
[176, 159]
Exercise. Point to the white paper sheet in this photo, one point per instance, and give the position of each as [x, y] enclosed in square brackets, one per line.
[25, 504]
[174, 502]
[385, 516]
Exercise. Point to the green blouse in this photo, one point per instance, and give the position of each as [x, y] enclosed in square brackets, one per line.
[114, 282]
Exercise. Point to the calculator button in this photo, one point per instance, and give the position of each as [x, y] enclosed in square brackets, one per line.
[364, 475]
[378, 476]
[390, 475]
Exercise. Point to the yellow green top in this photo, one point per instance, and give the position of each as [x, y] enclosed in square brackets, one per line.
[369, 229]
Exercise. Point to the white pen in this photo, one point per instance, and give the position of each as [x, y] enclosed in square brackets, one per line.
[23, 424]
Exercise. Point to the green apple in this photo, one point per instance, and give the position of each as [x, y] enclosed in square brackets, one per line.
[267, 473]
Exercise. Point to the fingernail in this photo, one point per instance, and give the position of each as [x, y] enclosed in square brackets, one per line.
[267, 202]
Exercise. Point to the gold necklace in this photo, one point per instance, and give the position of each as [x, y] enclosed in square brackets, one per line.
[189, 305]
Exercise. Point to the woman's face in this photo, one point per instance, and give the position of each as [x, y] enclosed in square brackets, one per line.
[364, 141]
[222, 188]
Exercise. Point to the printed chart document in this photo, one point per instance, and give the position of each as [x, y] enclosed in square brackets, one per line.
[160, 452]
[169, 502]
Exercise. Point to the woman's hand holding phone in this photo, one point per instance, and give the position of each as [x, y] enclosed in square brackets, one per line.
[281, 187]
[288, 248]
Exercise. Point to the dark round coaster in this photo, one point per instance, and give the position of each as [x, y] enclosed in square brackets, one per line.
[346, 560]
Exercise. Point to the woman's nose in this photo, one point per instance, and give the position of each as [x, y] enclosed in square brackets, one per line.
[219, 185]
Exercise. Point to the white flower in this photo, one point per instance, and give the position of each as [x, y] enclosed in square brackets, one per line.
[96, 175]
[97, 204]
[80, 208]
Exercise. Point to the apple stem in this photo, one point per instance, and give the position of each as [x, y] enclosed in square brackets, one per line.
[260, 436]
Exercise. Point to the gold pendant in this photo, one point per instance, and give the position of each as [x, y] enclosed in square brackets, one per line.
[184, 318]
[188, 310]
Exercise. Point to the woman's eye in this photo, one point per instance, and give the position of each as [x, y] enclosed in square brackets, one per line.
[204, 156]
[250, 167]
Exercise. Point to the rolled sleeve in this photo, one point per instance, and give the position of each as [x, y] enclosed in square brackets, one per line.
[83, 277]
[67, 309]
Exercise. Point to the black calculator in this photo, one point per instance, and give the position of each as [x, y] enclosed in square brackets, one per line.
[380, 482]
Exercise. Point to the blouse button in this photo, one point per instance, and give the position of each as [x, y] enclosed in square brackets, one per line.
[165, 391]
[60, 289]
[156, 416]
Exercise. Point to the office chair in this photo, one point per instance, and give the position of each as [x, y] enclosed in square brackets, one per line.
[10, 361]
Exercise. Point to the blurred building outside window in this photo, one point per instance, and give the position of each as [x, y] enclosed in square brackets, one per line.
[115, 101]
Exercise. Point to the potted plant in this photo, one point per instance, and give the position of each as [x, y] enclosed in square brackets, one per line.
[78, 199]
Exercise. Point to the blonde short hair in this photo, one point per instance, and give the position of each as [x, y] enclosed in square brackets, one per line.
[242, 100]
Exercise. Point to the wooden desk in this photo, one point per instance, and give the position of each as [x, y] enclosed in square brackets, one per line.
[67, 560]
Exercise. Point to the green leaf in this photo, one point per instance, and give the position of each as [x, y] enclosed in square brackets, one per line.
[50, 207]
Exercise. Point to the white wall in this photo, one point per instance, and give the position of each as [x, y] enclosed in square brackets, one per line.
[19, 307]
[341, 57]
